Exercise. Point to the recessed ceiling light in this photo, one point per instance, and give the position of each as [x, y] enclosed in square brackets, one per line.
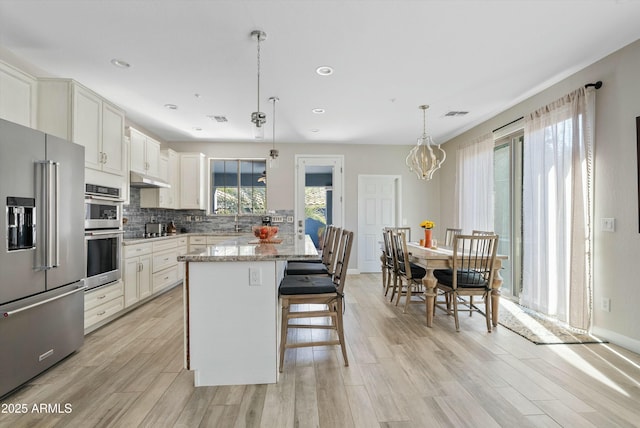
[314, 130]
[324, 70]
[197, 95]
[197, 129]
[318, 110]
[120, 63]
[171, 106]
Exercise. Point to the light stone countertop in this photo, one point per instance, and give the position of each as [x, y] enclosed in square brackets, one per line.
[133, 241]
[246, 248]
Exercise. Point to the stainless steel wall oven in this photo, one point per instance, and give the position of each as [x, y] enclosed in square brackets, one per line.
[103, 235]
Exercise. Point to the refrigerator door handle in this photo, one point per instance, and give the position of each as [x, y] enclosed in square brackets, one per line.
[54, 228]
[50, 191]
[44, 302]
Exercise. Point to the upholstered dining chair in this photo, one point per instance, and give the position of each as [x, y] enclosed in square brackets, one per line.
[449, 233]
[409, 275]
[301, 294]
[471, 273]
[332, 240]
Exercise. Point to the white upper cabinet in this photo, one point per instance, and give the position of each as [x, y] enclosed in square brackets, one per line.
[145, 153]
[71, 111]
[193, 183]
[170, 172]
[18, 96]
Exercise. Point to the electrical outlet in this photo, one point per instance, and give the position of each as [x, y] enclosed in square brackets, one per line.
[606, 304]
[277, 219]
[608, 224]
[255, 276]
[289, 219]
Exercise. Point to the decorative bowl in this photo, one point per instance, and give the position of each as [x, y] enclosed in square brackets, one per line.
[265, 233]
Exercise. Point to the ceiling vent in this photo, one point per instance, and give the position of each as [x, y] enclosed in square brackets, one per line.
[219, 119]
[456, 113]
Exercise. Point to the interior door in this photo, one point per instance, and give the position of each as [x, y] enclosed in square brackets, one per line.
[310, 173]
[377, 209]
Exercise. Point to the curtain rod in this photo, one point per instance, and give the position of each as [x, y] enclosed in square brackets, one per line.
[596, 85]
[507, 124]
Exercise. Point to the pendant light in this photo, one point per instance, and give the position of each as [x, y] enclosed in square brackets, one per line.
[273, 153]
[426, 157]
[258, 118]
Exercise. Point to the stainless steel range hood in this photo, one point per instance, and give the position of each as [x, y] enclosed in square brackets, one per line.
[146, 181]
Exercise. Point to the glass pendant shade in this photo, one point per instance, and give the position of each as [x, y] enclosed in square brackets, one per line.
[426, 157]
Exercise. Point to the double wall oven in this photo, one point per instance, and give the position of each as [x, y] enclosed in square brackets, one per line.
[103, 235]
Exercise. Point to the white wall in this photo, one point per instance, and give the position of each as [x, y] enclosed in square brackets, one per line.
[616, 255]
[419, 199]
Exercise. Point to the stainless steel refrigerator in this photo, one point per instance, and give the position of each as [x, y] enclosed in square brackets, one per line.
[42, 253]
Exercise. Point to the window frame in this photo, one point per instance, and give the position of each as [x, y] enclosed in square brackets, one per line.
[211, 186]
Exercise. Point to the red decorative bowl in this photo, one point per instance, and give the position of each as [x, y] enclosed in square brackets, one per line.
[265, 233]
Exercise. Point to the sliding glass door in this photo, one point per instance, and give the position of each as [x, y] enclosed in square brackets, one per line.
[507, 167]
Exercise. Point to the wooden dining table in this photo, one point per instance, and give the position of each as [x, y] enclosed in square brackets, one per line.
[442, 258]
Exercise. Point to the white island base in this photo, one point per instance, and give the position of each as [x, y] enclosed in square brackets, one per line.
[233, 321]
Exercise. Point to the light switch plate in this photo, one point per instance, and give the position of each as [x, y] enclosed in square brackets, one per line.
[255, 276]
[608, 224]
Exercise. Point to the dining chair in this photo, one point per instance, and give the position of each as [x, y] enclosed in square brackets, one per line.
[408, 280]
[299, 267]
[405, 229]
[390, 267]
[449, 234]
[300, 296]
[471, 274]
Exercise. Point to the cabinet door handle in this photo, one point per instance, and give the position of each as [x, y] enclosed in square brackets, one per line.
[102, 297]
[101, 313]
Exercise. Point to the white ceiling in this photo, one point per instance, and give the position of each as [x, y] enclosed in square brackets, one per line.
[389, 57]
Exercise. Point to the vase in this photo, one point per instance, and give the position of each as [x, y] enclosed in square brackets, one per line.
[427, 238]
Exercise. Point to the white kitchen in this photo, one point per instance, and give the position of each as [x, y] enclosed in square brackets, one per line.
[202, 121]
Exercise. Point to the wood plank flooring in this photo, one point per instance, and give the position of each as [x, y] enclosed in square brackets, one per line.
[401, 374]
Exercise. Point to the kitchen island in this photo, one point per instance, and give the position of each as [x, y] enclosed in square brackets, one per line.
[231, 308]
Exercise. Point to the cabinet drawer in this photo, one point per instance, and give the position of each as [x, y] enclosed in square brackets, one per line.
[212, 240]
[102, 294]
[165, 278]
[197, 248]
[103, 311]
[165, 259]
[183, 241]
[165, 244]
[197, 240]
[137, 250]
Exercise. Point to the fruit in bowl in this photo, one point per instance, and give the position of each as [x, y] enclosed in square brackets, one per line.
[265, 233]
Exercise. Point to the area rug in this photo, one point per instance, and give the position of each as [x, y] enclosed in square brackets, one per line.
[539, 329]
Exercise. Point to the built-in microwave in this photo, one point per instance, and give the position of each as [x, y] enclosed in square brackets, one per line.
[102, 208]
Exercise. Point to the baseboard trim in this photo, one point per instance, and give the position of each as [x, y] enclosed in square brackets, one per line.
[616, 338]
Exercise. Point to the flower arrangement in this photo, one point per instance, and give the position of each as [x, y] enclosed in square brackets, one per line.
[427, 224]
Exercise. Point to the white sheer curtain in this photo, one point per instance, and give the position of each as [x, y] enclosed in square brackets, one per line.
[557, 205]
[474, 185]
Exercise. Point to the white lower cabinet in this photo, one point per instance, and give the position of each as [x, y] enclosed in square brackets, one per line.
[197, 243]
[137, 272]
[103, 302]
[165, 264]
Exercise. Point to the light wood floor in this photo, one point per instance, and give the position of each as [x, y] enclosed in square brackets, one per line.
[401, 374]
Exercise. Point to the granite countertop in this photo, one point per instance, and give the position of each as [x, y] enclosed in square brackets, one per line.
[246, 248]
[139, 240]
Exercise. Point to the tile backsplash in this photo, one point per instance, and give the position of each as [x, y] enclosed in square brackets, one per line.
[192, 220]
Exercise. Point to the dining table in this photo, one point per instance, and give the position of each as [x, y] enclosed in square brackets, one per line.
[442, 258]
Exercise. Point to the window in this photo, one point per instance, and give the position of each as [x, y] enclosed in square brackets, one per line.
[238, 186]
